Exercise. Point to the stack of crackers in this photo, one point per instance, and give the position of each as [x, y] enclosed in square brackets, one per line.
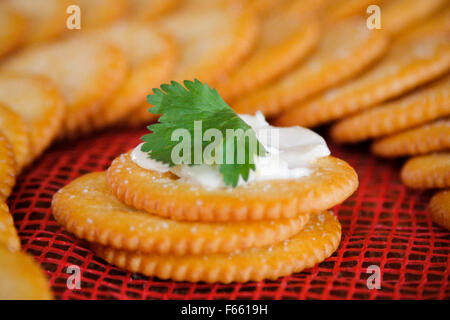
[159, 225]
[300, 62]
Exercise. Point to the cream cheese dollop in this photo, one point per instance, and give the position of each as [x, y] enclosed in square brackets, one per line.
[290, 153]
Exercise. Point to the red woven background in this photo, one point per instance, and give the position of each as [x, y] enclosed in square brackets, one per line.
[384, 224]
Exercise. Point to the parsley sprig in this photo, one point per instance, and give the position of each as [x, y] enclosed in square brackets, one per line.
[179, 106]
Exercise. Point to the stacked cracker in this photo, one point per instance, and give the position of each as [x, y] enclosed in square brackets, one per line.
[156, 224]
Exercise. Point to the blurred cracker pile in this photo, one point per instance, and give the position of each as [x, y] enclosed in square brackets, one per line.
[301, 62]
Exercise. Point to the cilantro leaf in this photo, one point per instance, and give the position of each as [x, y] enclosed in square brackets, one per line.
[181, 107]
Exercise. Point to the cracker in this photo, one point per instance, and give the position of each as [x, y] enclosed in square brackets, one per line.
[21, 278]
[331, 182]
[7, 168]
[12, 29]
[86, 72]
[285, 40]
[422, 106]
[422, 140]
[152, 57]
[98, 13]
[16, 132]
[344, 50]
[440, 208]
[397, 16]
[44, 19]
[151, 9]
[427, 172]
[316, 242]
[214, 40]
[8, 233]
[87, 208]
[40, 104]
[407, 65]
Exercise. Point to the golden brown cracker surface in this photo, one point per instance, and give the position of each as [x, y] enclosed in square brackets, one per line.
[44, 19]
[427, 172]
[152, 56]
[87, 208]
[440, 208]
[40, 104]
[8, 233]
[407, 65]
[316, 242]
[12, 29]
[427, 104]
[98, 13]
[285, 39]
[15, 130]
[331, 182]
[397, 16]
[7, 168]
[86, 72]
[21, 278]
[343, 51]
[429, 138]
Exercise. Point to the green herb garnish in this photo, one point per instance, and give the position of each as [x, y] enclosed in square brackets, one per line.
[180, 107]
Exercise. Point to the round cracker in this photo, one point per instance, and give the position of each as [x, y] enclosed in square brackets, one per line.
[422, 106]
[151, 9]
[422, 140]
[7, 168]
[427, 172]
[212, 42]
[331, 182]
[45, 19]
[40, 104]
[98, 13]
[12, 29]
[87, 208]
[16, 132]
[21, 278]
[8, 233]
[85, 71]
[440, 208]
[316, 242]
[152, 57]
[285, 40]
[399, 15]
[339, 56]
[407, 65]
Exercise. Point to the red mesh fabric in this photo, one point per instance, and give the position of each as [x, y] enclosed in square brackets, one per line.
[384, 224]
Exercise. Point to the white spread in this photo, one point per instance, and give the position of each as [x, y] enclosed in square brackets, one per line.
[290, 153]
